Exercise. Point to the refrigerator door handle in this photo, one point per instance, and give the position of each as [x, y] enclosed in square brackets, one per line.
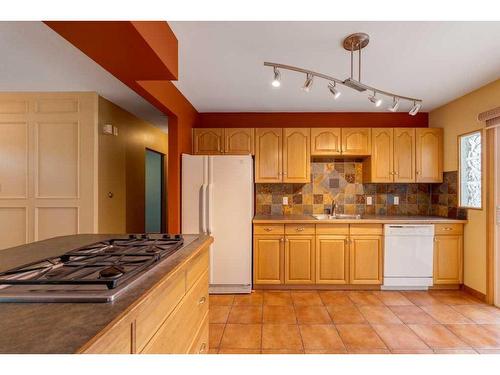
[210, 210]
[203, 208]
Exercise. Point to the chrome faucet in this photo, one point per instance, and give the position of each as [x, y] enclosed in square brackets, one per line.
[334, 207]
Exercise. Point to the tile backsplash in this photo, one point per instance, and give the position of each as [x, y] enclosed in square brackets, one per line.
[444, 198]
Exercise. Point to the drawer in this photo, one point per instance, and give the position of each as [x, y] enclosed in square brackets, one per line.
[269, 229]
[176, 335]
[200, 344]
[366, 229]
[158, 306]
[448, 229]
[196, 267]
[342, 229]
[117, 340]
[300, 229]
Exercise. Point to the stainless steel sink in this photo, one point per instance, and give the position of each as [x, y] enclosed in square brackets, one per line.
[336, 216]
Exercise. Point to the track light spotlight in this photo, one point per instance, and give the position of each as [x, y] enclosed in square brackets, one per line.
[308, 83]
[373, 98]
[416, 107]
[395, 105]
[333, 90]
[277, 78]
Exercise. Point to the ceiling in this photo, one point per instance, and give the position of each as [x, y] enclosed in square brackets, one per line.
[221, 63]
[36, 58]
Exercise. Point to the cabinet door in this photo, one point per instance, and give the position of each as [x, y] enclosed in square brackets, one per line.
[448, 262]
[429, 154]
[356, 141]
[268, 155]
[207, 141]
[239, 141]
[325, 141]
[382, 162]
[332, 259]
[299, 260]
[268, 259]
[296, 155]
[366, 259]
[404, 155]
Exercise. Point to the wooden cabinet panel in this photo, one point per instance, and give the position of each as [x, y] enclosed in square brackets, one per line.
[366, 260]
[448, 229]
[332, 259]
[356, 141]
[268, 259]
[300, 229]
[366, 229]
[382, 160]
[342, 229]
[269, 229]
[448, 262]
[268, 155]
[404, 155]
[296, 155]
[239, 141]
[299, 260]
[118, 340]
[429, 154]
[208, 141]
[200, 344]
[325, 141]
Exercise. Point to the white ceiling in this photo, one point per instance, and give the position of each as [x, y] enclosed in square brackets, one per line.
[36, 58]
[221, 63]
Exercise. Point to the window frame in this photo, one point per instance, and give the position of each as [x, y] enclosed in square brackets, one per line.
[459, 165]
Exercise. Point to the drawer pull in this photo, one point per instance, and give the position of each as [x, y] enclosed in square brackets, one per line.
[202, 348]
[447, 228]
[267, 229]
[299, 229]
[202, 301]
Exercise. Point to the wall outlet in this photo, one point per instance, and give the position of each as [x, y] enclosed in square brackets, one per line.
[396, 200]
[369, 200]
[285, 201]
[107, 129]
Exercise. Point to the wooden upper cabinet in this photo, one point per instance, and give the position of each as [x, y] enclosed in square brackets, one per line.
[208, 141]
[325, 141]
[239, 141]
[296, 155]
[332, 259]
[268, 155]
[356, 141]
[382, 158]
[429, 154]
[404, 155]
[299, 260]
[366, 259]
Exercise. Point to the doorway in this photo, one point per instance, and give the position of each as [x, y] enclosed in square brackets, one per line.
[496, 257]
[155, 200]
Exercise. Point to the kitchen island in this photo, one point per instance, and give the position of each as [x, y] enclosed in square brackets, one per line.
[164, 311]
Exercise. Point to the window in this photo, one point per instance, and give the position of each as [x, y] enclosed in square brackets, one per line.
[469, 146]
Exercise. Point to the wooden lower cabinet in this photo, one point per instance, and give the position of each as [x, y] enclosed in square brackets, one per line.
[332, 259]
[448, 259]
[366, 259]
[268, 259]
[299, 260]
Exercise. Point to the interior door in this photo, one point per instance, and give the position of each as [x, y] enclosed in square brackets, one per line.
[404, 155]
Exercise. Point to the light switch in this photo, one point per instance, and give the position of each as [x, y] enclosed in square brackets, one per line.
[107, 129]
[396, 200]
[285, 201]
[369, 201]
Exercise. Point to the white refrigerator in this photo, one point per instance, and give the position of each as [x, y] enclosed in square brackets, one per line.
[217, 199]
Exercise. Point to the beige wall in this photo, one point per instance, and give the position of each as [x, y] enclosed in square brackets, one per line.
[121, 168]
[459, 117]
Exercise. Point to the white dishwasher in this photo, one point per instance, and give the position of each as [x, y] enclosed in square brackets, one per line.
[408, 256]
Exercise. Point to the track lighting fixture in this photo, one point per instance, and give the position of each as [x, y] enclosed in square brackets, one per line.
[308, 83]
[395, 105]
[353, 43]
[416, 107]
[277, 78]
[333, 90]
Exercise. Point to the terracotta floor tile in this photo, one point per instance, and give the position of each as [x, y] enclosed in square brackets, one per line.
[379, 315]
[345, 314]
[368, 351]
[282, 351]
[479, 314]
[454, 298]
[359, 336]
[365, 298]
[245, 314]
[320, 336]
[444, 314]
[277, 298]
[218, 314]
[412, 351]
[306, 298]
[489, 351]
[312, 315]
[493, 328]
[475, 335]
[242, 336]
[412, 315]
[279, 314]
[281, 336]
[420, 298]
[238, 351]
[221, 299]
[215, 335]
[438, 336]
[326, 351]
[399, 336]
[254, 298]
[390, 298]
[335, 298]
[455, 351]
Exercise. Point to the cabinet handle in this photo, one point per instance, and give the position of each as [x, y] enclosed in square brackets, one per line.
[417, 172]
[447, 228]
[267, 229]
[202, 300]
[299, 229]
[202, 348]
[282, 240]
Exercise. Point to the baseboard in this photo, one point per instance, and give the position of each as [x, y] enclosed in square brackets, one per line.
[473, 292]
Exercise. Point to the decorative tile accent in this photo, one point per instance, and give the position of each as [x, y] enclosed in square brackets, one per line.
[444, 198]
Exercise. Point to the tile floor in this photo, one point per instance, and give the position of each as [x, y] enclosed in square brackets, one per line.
[352, 322]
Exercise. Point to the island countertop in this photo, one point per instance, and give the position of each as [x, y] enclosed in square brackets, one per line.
[66, 327]
[365, 219]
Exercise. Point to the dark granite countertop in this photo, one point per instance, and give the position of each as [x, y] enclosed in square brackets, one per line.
[65, 327]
